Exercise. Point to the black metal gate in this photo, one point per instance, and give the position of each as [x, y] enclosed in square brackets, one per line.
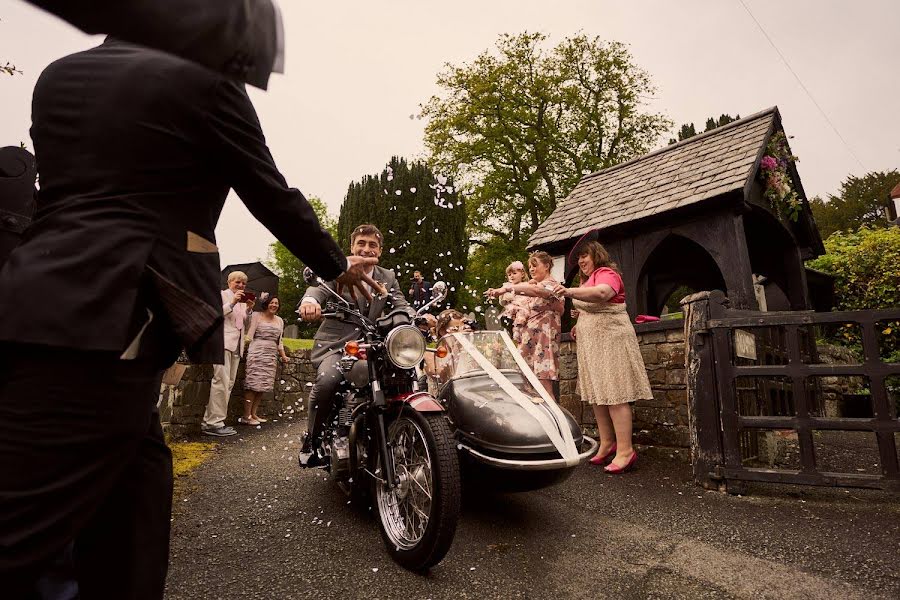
[758, 409]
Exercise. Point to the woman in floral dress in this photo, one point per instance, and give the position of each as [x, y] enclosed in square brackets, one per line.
[266, 329]
[540, 319]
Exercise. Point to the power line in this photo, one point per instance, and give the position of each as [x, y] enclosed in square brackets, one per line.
[808, 93]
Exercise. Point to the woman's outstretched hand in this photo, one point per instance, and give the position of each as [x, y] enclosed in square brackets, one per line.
[561, 291]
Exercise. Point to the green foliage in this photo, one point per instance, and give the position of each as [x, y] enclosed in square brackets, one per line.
[294, 344]
[521, 125]
[688, 130]
[289, 269]
[9, 69]
[422, 217]
[860, 203]
[866, 268]
[487, 268]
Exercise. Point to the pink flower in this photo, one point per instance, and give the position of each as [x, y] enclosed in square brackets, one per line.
[768, 163]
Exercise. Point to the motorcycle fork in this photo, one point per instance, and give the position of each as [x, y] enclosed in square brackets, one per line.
[379, 403]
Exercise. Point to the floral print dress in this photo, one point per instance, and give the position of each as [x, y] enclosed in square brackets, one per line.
[541, 324]
[515, 308]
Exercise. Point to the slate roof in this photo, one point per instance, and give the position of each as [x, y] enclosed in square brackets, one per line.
[694, 170]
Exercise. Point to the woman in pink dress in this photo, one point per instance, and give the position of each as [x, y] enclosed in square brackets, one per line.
[266, 332]
[540, 319]
[611, 372]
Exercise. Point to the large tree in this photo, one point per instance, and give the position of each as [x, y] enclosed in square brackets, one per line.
[289, 269]
[422, 217]
[520, 125]
[860, 202]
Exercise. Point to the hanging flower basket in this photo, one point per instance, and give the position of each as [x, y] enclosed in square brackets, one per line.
[773, 171]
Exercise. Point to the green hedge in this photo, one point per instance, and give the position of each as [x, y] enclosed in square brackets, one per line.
[866, 269]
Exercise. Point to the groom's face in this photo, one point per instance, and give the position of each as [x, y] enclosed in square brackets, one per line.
[367, 246]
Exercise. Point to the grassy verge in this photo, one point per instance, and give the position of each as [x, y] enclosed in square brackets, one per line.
[294, 344]
[187, 456]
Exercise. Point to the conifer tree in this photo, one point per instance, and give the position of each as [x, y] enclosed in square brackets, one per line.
[422, 218]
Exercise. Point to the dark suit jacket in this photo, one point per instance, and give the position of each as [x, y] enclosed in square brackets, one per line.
[234, 37]
[136, 151]
[333, 334]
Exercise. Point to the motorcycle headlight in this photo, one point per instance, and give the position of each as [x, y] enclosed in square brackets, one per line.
[405, 346]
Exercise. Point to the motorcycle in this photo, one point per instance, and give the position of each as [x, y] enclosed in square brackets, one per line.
[390, 441]
[387, 443]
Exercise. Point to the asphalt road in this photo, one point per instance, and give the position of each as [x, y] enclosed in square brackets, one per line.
[249, 524]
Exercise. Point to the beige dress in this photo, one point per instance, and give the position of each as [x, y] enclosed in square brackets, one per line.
[610, 367]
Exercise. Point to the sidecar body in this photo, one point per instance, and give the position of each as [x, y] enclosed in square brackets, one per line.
[510, 432]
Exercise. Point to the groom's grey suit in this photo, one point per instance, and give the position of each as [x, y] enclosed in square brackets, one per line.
[333, 334]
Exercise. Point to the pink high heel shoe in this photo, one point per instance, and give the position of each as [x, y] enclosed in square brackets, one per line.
[599, 460]
[614, 470]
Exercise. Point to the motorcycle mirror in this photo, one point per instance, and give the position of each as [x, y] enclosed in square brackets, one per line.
[439, 290]
[310, 277]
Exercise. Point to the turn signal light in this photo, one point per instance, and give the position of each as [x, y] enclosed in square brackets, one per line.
[441, 351]
[351, 348]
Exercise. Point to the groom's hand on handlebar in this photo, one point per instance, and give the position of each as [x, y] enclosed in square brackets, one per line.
[355, 276]
[311, 311]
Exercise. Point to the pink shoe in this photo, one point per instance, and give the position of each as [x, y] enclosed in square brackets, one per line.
[614, 470]
[599, 460]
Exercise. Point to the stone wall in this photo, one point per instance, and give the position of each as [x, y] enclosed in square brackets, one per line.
[182, 406]
[662, 421]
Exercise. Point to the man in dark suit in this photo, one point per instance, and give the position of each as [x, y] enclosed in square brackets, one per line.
[136, 151]
[328, 343]
[242, 39]
[419, 290]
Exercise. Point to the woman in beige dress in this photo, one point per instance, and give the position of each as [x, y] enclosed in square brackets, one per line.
[611, 372]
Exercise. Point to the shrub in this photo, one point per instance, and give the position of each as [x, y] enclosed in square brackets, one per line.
[866, 269]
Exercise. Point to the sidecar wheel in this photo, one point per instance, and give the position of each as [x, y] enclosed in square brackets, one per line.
[418, 517]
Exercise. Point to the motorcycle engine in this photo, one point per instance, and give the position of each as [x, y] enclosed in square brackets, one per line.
[339, 446]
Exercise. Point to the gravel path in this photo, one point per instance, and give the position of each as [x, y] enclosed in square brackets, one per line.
[250, 524]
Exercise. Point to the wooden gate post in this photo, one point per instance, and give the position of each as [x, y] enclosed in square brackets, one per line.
[703, 408]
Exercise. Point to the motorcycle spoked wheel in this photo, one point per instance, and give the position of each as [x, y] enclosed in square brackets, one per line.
[418, 517]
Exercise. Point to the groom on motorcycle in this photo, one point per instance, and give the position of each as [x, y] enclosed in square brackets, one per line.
[328, 344]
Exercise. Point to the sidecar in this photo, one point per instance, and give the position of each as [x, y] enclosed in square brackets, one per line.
[510, 433]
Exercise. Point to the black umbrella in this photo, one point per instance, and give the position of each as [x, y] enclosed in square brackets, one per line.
[259, 278]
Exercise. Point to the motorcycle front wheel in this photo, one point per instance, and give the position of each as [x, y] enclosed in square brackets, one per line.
[418, 516]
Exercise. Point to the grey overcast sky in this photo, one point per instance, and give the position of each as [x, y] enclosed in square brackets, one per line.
[357, 70]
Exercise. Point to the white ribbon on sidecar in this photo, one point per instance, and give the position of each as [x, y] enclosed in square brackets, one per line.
[559, 431]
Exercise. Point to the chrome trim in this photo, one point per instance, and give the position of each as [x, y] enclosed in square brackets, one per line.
[531, 465]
